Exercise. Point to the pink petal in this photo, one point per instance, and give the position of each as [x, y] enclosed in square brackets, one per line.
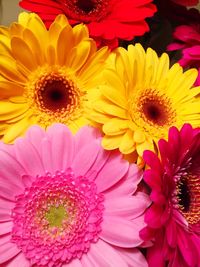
[7, 249]
[5, 213]
[128, 207]
[62, 146]
[112, 172]
[73, 263]
[105, 255]
[121, 232]
[10, 176]
[19, 261]
[86, 157]
[35, 135]
[127, 185]
[28, 156]
[47, 155]
[84, 136]
[88, 262]
[133, 257]
[6, 227]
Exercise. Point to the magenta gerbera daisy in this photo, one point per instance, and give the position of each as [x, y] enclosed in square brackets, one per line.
[64, 201]
[174, 217]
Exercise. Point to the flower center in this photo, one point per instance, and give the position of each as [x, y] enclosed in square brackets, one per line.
[85, 10]
[57, 218]
[56, 215]
[54, 97]
[152, 111]
[54, 92]
[86, 6]
[188, 198]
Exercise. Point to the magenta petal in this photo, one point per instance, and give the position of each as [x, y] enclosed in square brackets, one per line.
[28, 156]
[88, 262]
[133, 257]
[121, 232]
[18, 261]
[7, 249]
[62, 146]
[114, 170]
[5, 213]
[105, 255]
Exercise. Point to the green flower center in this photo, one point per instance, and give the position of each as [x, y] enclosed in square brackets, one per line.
[56, 215]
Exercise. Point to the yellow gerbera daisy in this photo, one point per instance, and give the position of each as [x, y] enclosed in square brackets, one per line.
[46, 75]
[142, 98]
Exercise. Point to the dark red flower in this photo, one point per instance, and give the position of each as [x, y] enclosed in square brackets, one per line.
[107, 20]
[173, 220]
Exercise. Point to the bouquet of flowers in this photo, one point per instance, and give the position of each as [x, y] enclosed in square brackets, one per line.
[100, 134]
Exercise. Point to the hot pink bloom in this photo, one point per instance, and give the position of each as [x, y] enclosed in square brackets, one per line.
[174, 217]
[187, 39]
[64, 201]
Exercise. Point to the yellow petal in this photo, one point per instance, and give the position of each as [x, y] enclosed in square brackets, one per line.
[144, 146]
[8, 89]
[65, 44]
[16, 130]
[9, 69]
[115, 126]
[79, 55]
[111, 142]
[127, 144]
[109, 108]
[80, 32]
[114, 96]
[26, 57]
[139, 136]
[10, 110]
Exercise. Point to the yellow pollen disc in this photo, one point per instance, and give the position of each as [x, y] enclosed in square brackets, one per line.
[53, 96]
[152, 112]
[188, 196]
[56, 215]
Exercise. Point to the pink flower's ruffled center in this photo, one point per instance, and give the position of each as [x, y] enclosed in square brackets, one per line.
[87, 11]
[187, 198]
[56, 219]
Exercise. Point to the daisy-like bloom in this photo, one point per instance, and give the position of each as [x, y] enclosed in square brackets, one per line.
[107, 20]
[64, 201]
[187, 40]
[46, 75]
[173, 219]
[142, 98]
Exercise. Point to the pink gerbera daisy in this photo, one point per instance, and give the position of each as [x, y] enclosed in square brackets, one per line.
[173, 220]
[64, 201]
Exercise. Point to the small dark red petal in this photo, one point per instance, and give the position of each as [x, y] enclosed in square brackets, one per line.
[152, 160]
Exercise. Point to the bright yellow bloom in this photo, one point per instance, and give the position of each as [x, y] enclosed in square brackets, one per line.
[46, 75]
[142, 98]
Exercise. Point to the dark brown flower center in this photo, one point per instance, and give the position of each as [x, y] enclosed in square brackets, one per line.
[155, 109]
[55, 93]
[85, 10]
[188, 198]
[86, 5]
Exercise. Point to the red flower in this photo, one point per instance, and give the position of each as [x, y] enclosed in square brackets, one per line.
[107, 20]
[173, 220]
